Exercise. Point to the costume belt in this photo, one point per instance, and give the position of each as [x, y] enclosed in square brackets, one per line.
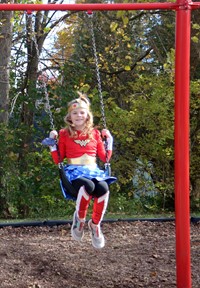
[85, 159]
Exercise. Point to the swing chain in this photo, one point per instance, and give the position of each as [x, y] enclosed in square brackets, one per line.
[90, 15]
[47, 105]
[43, 81]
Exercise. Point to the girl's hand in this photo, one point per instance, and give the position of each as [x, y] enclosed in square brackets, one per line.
[109, 139]
[106, 133]
[53, 134]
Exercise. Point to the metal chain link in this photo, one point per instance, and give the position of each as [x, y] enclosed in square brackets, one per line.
[47, 105]
[43, 83]
[90, 15]
[97, 71]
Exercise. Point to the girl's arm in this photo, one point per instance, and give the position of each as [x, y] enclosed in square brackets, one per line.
[101, 151]
[58, 152]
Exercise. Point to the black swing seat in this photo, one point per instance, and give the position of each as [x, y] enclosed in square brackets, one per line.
[68, 190]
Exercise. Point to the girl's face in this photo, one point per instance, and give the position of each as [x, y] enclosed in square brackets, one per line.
[79, 117]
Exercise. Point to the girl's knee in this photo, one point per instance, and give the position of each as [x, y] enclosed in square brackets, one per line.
[88, 184]
[89, 187]
[101, 188]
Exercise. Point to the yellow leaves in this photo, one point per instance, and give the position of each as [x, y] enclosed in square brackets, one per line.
[84, 87]
[113, 26]
[195, 39]
[196, 26]
[125, 20]
[120, 31]
[120, 13]
[13, 156]
[110, 100]
[100, 56]
[3, 20]
[105, 65]
[38, 2]
[129, 139]
[130, 194]
[62, 33]
[47, 29]
[127, 68]
[165, 66]
[169, 151]
[128, 57]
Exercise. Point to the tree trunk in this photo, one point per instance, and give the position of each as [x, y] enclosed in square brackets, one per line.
[5, 52]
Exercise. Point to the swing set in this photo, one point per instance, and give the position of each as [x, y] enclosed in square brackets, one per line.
[67, 188]
[183, 10]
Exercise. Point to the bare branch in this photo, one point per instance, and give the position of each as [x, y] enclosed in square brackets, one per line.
[147, 52]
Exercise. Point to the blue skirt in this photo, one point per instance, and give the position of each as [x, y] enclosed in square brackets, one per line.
[88, 171]
[74, 172]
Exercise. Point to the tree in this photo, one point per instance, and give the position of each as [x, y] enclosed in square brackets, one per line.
[29, 34]
[5, 51]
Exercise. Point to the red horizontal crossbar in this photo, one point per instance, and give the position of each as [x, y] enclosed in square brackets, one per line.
[86, 7]
[195, 5]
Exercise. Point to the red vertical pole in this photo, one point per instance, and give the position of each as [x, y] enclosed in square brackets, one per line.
[182, 203]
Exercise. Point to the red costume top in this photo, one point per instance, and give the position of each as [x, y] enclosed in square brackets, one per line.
[74, 147]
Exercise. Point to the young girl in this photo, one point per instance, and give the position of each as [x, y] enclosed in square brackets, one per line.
[81, 143]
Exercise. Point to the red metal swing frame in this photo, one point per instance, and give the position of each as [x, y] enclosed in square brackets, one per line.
[182, 98]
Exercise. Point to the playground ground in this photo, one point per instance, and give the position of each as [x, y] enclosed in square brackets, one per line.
[137, 254]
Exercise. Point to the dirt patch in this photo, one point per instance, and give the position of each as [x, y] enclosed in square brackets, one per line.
[137, 254]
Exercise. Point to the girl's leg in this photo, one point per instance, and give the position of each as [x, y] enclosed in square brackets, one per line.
[85, 188]
[101, 198]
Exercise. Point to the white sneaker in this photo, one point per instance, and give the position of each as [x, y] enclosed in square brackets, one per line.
[98, 240]
[77, 228]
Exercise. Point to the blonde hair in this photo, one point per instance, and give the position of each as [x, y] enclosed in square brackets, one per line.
[81, 102]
